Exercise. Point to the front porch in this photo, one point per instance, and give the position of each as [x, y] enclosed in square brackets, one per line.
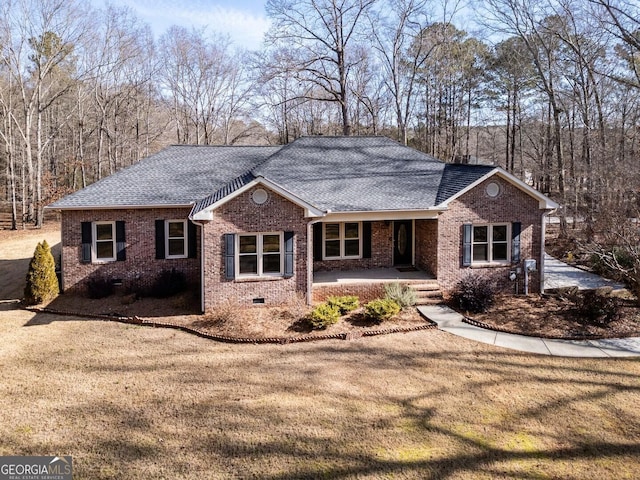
[368, 284]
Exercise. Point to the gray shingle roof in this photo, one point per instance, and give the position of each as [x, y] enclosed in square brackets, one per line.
[177, 175]
[358, 174]
[331, 173]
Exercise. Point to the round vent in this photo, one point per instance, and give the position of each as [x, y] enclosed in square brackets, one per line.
[259, 196]
[493, 189]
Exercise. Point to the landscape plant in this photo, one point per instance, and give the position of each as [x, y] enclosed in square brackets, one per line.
[323, 316]
[344, 304]
[99, 287]
[169, 283]
[381, 309]
[474, 294]
[42, 282]
[403, 295]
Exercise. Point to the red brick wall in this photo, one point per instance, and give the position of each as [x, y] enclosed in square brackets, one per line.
[427, 245]
[242, 215]
[475, 206]
[140, 268]
[364, 291]
[381, 252]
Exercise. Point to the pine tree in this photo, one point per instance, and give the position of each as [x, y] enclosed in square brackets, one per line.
[42, 283]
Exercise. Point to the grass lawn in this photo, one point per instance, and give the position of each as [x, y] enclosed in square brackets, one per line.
[132, 402]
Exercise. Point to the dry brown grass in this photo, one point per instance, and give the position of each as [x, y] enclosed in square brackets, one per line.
[137, 403]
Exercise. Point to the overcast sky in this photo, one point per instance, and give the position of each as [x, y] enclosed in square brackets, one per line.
[244, 21]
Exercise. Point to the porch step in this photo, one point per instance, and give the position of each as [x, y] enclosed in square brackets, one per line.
[428, 293]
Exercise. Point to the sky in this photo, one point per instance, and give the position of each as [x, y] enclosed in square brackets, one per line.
[245, 21]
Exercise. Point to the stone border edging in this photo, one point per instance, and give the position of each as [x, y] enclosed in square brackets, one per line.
[240, 340]
[487, 326]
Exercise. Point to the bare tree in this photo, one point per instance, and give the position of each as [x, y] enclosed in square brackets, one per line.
[38, 41]
[322, 33]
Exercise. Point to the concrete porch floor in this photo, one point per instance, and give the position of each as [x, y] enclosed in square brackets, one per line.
[373, 275]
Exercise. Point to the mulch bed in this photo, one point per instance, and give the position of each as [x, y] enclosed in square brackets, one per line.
[231, 323]
[552, 316]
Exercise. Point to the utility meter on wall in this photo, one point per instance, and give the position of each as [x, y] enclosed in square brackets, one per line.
[530, 265]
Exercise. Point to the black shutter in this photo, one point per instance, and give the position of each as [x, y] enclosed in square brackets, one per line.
[466, 245]
[160, 240]
[229, 256]
[288, 254]
[192, 239]
[86, 230]
[366, 239]
[515, 242]
[317, 241]
[121, 244]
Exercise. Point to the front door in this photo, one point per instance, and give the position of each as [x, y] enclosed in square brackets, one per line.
[402, 242]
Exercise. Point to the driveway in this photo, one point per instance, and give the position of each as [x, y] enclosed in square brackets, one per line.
[558, 274]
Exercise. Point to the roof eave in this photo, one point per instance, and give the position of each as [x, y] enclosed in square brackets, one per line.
[311, 211]
[544, 202]
[118, 207]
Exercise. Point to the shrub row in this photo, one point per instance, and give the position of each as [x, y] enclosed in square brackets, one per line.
[167, 284]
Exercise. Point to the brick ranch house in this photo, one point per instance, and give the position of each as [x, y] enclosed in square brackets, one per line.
[262, 225]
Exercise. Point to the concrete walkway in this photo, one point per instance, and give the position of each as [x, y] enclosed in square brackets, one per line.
[451, 321]
[557, 274]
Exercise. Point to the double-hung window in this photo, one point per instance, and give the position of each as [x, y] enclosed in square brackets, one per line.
[176, 238]
[342, 240]
[490, 243]
[104, 241]
[259, 254]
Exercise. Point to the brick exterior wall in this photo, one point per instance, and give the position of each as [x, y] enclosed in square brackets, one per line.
[438, 246]
[427, 245]
[242, 215]
[381, 252]
[364, 291]
[475, 206]
[140, 269]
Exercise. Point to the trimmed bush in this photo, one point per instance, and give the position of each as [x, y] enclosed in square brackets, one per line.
[169, 283]
[344, 304]
[381, 309]
[42, 282]
[324, 315]
[403, 295]
[596, 308]
[473, 294]
[99, 287]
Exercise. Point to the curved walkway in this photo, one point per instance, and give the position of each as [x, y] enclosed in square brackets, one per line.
[451, 321]
[557, 274]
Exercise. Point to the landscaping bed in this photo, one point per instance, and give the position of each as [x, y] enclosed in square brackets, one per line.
[231, 321]
[552, 316]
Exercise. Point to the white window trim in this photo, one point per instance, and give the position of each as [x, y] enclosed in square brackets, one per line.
[490, 242]
[166, 239]
[94, 242]
[259, 242]
[342, 239]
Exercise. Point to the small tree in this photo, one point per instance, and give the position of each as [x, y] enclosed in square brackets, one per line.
[42, 283]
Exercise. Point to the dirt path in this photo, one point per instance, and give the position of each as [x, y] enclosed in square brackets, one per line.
[16, 250]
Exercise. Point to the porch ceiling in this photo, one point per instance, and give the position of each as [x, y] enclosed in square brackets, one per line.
[374, 275]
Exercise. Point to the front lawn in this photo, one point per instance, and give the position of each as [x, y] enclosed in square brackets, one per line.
[135, 402]
[131, 402]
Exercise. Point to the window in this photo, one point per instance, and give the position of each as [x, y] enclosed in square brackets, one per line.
[176, 238]
[104, 241]
[259, 254]
[490, 243]
[342, 240]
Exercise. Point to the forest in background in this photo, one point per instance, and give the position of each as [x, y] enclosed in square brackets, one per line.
[548, 90]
